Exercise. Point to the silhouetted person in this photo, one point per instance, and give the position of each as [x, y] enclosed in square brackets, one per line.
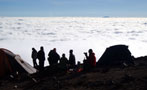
[53, 57]
[63, 62]
[50, 57]
[79, 67]
[41, 57]
[90, 60]
[72, 61]
[34, 57]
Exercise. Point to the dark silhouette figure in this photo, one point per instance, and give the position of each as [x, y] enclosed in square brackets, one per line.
[34, 57]
[50, 57]
[41, 57]
[90, 61]
[53, 57]
[63, 62]
[72, 61]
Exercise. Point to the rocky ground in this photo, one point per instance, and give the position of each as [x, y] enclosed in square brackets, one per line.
[116, 78]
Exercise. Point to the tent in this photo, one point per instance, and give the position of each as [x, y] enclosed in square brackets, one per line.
[116, 55]
[12, 63]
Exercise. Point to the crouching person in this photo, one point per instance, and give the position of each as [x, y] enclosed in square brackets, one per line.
[63, 63]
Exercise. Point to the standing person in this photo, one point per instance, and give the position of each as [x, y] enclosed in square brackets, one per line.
[53, 57]
[50, 57]
[41, 57]
[72, 60]
[91, 59]
[34, 57]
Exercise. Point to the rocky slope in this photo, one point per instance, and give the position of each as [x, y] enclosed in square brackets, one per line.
[116, 78]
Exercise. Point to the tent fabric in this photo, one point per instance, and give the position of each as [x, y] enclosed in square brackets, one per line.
[27, 67]
[116, 55]
[5, 67]
[11, 63]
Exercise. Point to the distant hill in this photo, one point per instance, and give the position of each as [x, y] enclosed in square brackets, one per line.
[106, 16]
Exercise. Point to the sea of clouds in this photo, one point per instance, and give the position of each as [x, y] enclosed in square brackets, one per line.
[20, 34]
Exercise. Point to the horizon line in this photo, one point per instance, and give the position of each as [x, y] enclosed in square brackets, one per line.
[80, 16]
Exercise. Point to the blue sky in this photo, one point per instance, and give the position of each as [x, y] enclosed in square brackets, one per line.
[88, 8]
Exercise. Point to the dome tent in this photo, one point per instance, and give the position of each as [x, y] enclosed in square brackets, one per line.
[11, 63]
[116, 55]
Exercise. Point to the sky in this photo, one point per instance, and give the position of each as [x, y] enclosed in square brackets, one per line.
[73, 8]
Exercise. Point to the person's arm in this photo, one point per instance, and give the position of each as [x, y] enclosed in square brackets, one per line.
[86, 55]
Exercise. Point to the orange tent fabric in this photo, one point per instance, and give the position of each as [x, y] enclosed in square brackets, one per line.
[11, 63]
[5, 67]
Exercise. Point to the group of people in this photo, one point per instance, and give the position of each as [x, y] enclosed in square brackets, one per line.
[40, 55]
[55, 59]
